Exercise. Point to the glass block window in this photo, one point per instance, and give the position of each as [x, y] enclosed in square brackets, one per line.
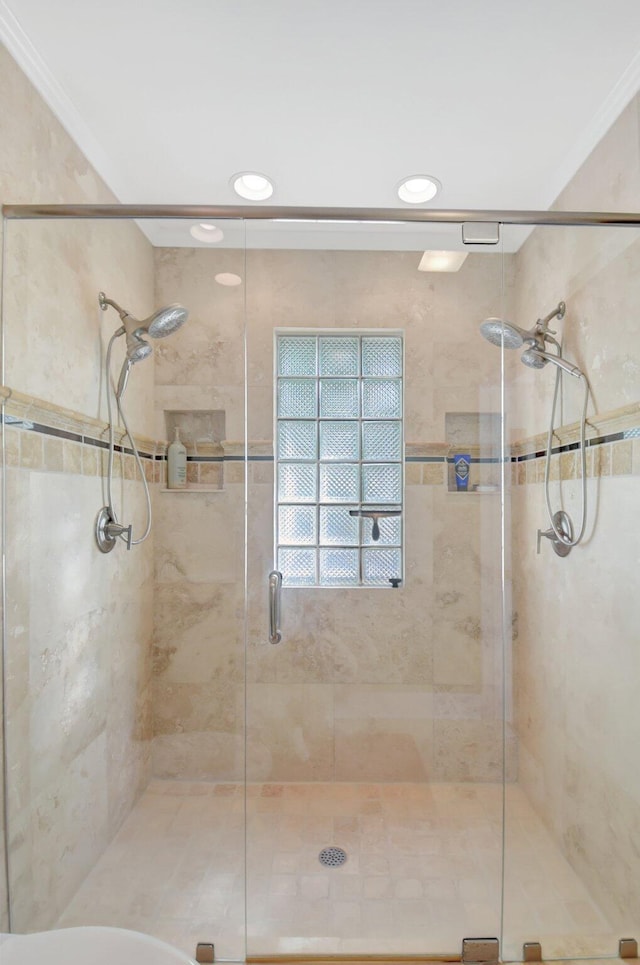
[339, 458]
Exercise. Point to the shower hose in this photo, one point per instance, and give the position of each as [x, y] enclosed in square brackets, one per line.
[109, 388]
[574, 540]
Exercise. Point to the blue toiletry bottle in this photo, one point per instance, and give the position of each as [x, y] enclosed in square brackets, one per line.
[461, 462]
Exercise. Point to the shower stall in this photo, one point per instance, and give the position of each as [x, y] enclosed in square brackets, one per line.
[345, 700]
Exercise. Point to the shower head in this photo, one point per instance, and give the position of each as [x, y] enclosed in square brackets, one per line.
[137, 351]
[165, 321]
[137, 348]
[162, 323]
[533, 359]
[499, 332]
[537, 359]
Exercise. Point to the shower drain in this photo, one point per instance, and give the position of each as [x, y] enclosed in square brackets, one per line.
[332, 857]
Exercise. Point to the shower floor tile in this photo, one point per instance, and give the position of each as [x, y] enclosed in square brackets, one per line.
[423, 871]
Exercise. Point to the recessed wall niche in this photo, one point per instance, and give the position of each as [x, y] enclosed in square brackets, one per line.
[202, 432]
[477, 434]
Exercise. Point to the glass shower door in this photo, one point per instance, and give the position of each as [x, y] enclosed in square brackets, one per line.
[375, 726]
[572, 816]
[125, 670]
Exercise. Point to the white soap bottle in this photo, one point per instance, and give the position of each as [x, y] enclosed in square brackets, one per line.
[176, 464]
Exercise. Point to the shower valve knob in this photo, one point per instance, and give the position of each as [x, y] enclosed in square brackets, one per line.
[560, 534]
[547, 533]
[115, 529]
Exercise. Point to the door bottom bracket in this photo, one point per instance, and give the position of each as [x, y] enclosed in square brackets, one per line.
[205, 952]
[531, 952]
[484, 950]
[628, 948]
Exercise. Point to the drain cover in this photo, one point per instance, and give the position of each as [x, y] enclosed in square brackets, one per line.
[332, 857]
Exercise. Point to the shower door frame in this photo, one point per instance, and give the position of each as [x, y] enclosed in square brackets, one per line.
[531, 218]
[198, 212]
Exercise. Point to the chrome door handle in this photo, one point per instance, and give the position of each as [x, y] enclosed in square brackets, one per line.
[275, 588]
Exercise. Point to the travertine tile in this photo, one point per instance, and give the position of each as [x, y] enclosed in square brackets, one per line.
[130, 468]
[52, 455]
[211, 474]
[621, 458]
[72, 456]
[233, 472]
[426, 872]
[261, 473]
[90, 460]
[433, 473]
[567, 465]
[76, 706]
[31, 450]
[12, 446]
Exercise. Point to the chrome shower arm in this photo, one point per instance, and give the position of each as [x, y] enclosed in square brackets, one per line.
[543, 323]
[104, 303]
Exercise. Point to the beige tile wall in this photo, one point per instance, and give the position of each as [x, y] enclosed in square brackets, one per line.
[79, 623]
[577, 654]
[366, 685]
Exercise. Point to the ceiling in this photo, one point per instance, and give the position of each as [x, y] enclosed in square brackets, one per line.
[336, 100]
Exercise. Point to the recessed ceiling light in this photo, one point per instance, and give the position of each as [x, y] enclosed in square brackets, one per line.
[252, 186]
[442, 260]
[418, 188]
[208, 233]
[228, 278]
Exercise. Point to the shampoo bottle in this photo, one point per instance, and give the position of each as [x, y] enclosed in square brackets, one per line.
[176, 464]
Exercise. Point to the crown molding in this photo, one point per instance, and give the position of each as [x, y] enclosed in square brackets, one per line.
[29, 60]
[609, 111]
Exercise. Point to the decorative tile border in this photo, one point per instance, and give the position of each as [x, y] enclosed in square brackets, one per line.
[47, 437]
[612, 449]
[624, 419]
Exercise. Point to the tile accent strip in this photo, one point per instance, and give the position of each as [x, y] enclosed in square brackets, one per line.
[44, 419]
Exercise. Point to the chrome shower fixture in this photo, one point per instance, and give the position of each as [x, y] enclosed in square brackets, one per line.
[537, 359]
[533, 358]
[137, 348]
[502, 333]
[163, 322]
[499, 332]
[507, 335]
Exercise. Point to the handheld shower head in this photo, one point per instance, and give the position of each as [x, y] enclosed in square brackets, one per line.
[137, 348]
[537, 359]
[137, 351]
[533, 359]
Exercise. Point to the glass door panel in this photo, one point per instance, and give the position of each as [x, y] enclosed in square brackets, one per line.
[375, 726]
[125, 670]
[572, 868]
